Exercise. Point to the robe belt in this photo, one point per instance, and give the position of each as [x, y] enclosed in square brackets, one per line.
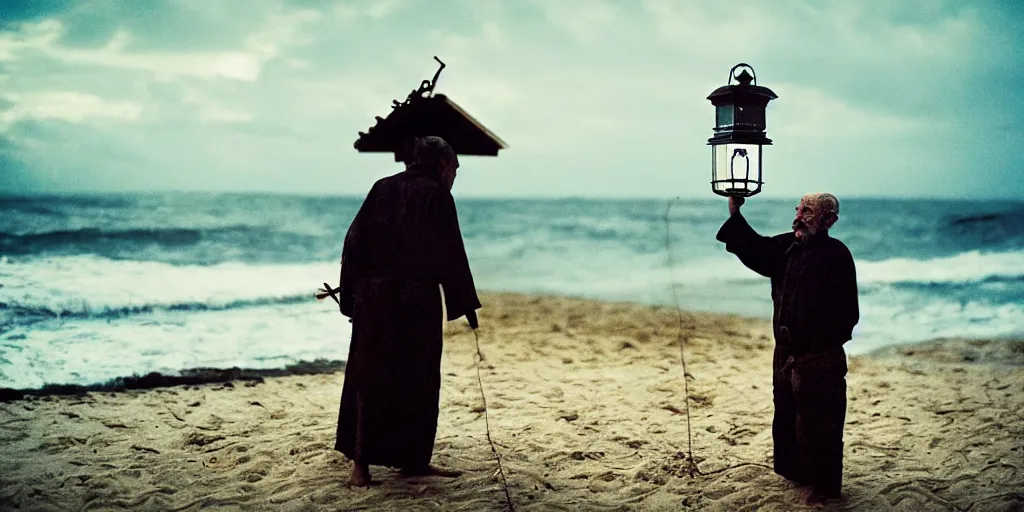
[817, 356]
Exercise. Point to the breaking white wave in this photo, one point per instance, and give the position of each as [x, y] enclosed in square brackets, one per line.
[94, 286]
[966, 267]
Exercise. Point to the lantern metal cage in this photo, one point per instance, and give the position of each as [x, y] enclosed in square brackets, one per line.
[739, 134]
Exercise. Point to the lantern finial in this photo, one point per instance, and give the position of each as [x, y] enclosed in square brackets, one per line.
[744, 78]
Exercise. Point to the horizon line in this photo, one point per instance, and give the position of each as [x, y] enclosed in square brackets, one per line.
[710, 196]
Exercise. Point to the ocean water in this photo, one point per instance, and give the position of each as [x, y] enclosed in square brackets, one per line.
[104, 286]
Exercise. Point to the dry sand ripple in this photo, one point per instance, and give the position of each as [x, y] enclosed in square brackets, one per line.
[586, 406]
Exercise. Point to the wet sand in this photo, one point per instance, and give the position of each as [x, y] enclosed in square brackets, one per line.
[587, 408]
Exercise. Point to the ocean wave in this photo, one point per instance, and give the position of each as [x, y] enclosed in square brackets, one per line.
[85, 309]
[1013, 216]
[56, 203]
[96, 234]
[900, 316]
[967, 267]
[971, 219]
[92, 286]
[86, 238]
[89, 352]
[286, 242]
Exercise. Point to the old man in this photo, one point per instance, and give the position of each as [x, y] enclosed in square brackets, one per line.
[404, 242]
[814, 291]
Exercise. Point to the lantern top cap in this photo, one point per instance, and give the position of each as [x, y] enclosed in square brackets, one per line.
[744, 88]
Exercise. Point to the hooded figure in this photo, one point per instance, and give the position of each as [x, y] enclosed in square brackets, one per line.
[404, 242]
[814, 292]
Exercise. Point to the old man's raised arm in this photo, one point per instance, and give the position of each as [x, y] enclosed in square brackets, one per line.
[764, 255]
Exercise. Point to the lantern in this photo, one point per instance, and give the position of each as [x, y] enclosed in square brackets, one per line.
[736, 153]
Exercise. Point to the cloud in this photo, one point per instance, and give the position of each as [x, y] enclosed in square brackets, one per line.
[864, 50]
[594, 97]
[587, 21]
[43, 39]
[18, 11]
[384, 8]
[210, 111]
[824, 116]
[16, 176]
[68, 106]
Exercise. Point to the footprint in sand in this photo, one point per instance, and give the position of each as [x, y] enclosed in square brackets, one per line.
[199, 439]
[256, 474]
[315, 448]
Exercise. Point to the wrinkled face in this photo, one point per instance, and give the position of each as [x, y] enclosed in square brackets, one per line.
[809, 220]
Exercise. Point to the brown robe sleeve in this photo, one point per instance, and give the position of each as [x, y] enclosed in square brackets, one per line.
[452, 263]
[351, 254]
[764, 255]
[843, 307]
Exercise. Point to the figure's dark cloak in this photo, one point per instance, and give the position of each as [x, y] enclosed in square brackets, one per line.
[404, 242]
[814, 293]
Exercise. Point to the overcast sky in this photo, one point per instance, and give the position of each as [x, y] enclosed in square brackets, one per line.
[594, 97]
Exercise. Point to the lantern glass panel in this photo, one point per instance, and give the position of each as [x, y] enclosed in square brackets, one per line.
[736, 168]
[724, 116]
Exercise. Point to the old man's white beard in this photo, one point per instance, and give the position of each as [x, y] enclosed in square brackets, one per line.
[805, 231]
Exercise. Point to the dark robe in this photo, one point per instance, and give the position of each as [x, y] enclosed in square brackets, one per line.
[404, 242]
[814, 292]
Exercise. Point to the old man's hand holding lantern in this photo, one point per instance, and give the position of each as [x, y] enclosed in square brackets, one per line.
[739, 134]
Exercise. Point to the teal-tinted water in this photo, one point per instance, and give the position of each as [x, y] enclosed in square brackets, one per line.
[95, 287]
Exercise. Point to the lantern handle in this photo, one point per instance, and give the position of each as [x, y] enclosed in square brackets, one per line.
[742, 65]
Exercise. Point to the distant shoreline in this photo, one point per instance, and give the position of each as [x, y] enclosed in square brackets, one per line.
[187, 377]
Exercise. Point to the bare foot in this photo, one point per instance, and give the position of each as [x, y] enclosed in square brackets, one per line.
[431, 470]
[815, 499]
[360, 476]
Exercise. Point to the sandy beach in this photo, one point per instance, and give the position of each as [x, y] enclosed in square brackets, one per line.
[586, 406]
